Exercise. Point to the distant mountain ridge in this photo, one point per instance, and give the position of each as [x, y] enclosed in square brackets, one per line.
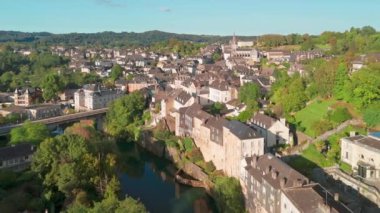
[109, 38]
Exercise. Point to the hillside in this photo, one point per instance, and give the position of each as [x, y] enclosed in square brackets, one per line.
[109, 38]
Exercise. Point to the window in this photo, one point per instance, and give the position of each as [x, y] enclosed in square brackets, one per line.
[346, 155]
[362, 156]
[284, 205]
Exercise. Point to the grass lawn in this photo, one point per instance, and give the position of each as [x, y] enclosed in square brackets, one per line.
[312, 113]
[323, 46]
[311, 158]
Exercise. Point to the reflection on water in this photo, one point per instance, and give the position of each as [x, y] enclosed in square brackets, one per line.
[148, 178]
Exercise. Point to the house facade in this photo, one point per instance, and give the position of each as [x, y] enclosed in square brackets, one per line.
[270, 185]
[16, 157]
[26, 96]
[275, 131]
[363, 154]
[223, 142]
[94, 96]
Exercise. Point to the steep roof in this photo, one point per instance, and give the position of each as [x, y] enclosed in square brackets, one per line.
[263, 120]
[183, 97]
[369, 141]
[241, 130]
[311, 198]
[274, 171]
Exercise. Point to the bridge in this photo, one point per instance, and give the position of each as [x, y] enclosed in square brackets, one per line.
[58, 120]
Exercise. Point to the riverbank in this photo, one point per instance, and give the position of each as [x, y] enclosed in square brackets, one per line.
[198, 177]
[151, 179]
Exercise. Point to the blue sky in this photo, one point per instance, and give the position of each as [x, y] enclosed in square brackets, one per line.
[222, 17]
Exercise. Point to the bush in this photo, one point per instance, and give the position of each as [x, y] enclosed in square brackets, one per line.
[339, 115]
[188, 144]
[162, 134]
[171, 143]
[371, 115]
[228, 195]
[320, 145]
[195, 155]
[209, 167]
[321, 127]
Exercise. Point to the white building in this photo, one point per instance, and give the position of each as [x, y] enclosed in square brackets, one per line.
[363, 154]
[93, 96]
[274, 131]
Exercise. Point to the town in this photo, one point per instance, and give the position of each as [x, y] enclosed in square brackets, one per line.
[279, 121]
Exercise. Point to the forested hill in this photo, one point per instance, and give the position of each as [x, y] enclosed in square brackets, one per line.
[109, 38]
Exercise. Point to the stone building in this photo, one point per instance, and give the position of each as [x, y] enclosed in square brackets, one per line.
[274, 131]
[94, 96]
[223, 142]
[27, 96]
[16, 157]
[363, 154]
[270, 185]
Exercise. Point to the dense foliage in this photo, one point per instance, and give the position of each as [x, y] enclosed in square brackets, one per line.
[108, 39]
[183, 48]
[125, 115]
[29, 133]
[228, 195]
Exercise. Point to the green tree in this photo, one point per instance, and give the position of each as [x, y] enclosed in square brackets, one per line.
[116, 72]
[371, 115]
[216, 56]
[291, 97]
[124, 116]
[29, 133]
[341, 79]
[51, 85]
[249, 91]
[228, 195]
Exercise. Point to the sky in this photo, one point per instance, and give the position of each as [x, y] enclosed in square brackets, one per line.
[211, 17]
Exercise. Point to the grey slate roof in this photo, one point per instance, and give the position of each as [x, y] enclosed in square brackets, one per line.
[241, 130]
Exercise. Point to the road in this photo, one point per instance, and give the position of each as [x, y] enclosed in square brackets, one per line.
[57, 120]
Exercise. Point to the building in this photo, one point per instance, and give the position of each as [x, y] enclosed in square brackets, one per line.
[44, 111]
[16, 157]
[240, 49]
[223, 142]
[222, 92]
[275, 131]
[363, 154]
[94, 96]
[27, 96]
[270, 185]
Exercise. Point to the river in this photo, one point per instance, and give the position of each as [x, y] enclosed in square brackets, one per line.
[148, 178]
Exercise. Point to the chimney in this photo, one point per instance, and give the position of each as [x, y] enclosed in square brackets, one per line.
[297, 183]
[336, 197]
[254, 161]
[268, 169]
[274, 174]
[283, 182]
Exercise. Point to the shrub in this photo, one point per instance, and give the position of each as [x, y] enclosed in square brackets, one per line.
[195, 155]
[228, 195]
[209, 167]
[320, 145]
[339, 115]
[188, 144]
[371, 115]
[321, 126]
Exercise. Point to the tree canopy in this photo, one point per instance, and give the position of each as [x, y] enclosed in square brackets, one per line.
[228, 195]
[29, 133]
[125, 115]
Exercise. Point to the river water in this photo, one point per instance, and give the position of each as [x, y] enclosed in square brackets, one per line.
[148, 178]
